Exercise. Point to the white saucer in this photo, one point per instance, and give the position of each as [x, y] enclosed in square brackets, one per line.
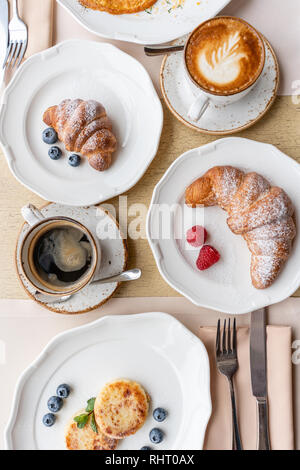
[226, 286]
[86, 70]
[219, 120]
[114, 257]
[141, 347]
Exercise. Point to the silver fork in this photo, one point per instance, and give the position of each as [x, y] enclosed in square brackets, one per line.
[18, 39]
[227, 363]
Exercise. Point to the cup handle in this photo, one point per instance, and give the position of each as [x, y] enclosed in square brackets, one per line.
[31, 214]
[198, 108]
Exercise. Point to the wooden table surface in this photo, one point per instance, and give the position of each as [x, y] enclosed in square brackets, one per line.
[280, 127]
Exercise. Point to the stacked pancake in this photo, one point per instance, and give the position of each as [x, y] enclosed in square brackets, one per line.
[120, 410]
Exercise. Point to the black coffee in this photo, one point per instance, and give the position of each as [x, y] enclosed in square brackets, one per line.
[62, 255]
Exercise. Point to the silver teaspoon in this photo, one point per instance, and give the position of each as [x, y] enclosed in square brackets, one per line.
[161, 50]
[126, 276]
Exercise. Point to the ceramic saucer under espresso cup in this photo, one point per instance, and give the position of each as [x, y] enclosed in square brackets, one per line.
[59, 255]
[103, 229]
[223, 58]
[218, 119]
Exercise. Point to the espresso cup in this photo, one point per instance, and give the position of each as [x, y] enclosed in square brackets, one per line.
[40, 227]
[223, 58]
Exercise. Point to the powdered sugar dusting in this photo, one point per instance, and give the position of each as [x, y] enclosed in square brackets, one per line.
[92, 109]
[264, 270]
[64, 111]
[226, 185]
[259, 212]
[84, 127]
[270, 247]
[283, 228]
[273, 206]
[253, 187]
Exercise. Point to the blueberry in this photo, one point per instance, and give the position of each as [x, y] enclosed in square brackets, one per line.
[55, 404]
[159, 414]
[55, 153]
[156, 436]
[74, 160]
[50, 136]
[49, 420]
[146, 448]
[63, 391]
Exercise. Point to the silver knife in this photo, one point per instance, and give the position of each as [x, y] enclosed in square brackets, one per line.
[258, 362]
[3, 30]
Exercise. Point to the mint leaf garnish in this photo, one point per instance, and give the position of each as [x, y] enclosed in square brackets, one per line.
[81, 420]
[90, 405]
[93, 424]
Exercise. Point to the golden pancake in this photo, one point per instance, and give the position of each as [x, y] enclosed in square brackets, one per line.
[115, 7]
[121, 408]
[86, 438]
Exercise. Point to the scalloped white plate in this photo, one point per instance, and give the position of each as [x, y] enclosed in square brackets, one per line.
[87, 70]
[153, 348]
[227, 285]
[161, 23]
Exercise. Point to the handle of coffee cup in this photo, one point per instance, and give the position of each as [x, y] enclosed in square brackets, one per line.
[198, 108]
[31, 214]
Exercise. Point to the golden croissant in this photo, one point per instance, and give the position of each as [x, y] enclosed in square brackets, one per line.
[261, 213]
[83, 126]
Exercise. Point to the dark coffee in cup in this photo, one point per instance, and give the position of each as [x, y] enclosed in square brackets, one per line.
[60, 256]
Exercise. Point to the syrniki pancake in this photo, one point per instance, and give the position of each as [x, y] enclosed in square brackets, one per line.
[86, 438]
[116, 7]
[121, 408]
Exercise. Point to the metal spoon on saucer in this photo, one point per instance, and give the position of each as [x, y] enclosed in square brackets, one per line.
[126, 276]
[162, 50]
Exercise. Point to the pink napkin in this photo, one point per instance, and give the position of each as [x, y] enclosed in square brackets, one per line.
[218, 436]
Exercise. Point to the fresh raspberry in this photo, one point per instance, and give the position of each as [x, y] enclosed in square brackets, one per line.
[196, 236]
[208, 256]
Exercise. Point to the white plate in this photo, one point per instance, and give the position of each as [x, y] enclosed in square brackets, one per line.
[87, 70]
[161, 23]
[227, 285]
[154, 349]
[219, 120]
[113, 257]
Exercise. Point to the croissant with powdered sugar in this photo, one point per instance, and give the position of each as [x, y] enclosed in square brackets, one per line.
[261, 213]
[83, 126]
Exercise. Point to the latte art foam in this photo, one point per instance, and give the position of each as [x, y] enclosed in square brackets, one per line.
[224, 55]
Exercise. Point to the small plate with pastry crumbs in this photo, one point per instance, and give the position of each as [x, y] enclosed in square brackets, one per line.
[84, 113]
[120, 383]
[230, 241]
[142, 21]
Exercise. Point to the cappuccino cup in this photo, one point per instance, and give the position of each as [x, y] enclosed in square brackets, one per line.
[224, 58]
[59, 255]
